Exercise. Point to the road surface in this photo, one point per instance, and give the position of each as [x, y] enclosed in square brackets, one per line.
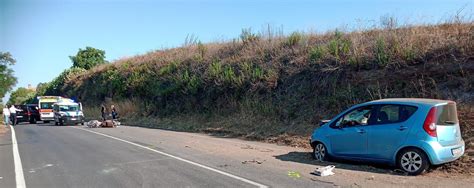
[77, 156]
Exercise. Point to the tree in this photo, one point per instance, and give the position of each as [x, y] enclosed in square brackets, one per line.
[21, 96]
[41, 88]
[56, 85]
[88, 58]
[7, 80]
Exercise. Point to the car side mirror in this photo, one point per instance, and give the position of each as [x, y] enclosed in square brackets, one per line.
[322, 122]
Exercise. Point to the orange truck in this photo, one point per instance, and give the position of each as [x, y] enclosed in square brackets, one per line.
[45, 105]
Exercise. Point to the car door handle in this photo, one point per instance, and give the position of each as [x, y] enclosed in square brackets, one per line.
[361, 131]
[401, 128]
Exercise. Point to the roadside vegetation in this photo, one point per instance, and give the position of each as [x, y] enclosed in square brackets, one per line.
[7, 79]
[268, 86]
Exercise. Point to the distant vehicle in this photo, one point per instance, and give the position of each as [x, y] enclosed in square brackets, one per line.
[66, 111]
[45, 105]
[29, 113]
[409, 133]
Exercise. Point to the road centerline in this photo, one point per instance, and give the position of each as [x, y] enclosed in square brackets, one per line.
[19, 176]
[180, 159]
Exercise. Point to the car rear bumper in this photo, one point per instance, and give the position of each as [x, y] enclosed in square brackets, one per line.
[43, 118]
[439, 154]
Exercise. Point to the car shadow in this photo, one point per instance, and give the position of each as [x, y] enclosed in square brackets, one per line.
[51, 124]
[305, 158]
[215, 132]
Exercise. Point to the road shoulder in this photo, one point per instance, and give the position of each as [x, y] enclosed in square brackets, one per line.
[7, 168]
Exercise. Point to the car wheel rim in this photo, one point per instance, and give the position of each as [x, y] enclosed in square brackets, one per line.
[319, 152]
[411, 161]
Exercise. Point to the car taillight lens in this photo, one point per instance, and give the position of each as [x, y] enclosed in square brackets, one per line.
[29, 113]
[430, 122]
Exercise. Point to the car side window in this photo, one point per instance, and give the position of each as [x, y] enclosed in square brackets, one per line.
[394, 113]
[357, 117]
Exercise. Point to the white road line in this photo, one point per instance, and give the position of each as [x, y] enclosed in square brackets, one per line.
[19, 176]
[181, 159]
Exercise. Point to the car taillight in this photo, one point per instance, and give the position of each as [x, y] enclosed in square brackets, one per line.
[430, 122]
[29, 113]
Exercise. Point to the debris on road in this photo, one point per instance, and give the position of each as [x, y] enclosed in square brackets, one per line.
[106, 123]
[324, 171]
[253, 161]
[371, 178]
[93, 124]
[247, 147]
[294, 174]
[223, 166]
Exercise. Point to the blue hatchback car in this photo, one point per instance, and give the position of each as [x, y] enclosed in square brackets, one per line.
[409, 133]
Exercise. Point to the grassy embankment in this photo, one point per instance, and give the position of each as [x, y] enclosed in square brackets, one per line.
[277, 88]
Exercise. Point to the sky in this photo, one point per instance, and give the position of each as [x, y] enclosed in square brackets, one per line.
[42, 34]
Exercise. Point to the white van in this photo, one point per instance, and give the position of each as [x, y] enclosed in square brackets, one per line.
[66, 111]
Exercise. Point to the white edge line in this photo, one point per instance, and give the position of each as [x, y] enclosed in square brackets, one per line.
[180, 159]
[19, 176]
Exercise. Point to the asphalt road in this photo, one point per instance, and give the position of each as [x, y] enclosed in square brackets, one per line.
[76, 156]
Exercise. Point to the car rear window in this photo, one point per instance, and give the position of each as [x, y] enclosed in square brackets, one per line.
[394, 113]
[32, 109]
[21, 107]
[447, 114]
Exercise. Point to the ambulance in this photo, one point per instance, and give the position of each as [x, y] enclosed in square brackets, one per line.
[45, 105]
[66, 111]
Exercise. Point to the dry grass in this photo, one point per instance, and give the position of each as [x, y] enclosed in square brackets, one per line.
[275, 88]
[3, 128]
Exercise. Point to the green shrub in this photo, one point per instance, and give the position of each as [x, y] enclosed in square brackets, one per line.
[294, 39]
[381, 52]
[409, 54]
[201, 49]
[169, 68]
[339, 47]
[215, 69]
[248, 37]
[317, 53]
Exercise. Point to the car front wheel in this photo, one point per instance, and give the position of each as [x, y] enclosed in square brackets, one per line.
[320, 152]
[413, 161]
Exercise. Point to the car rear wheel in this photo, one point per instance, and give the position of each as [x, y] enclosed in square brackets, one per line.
[413, 161]
[320, 152]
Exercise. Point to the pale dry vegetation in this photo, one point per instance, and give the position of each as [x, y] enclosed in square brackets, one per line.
[265, 85]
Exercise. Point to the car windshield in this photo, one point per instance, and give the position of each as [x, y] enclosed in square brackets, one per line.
[46, 105]
[68, 108]
[359, 116]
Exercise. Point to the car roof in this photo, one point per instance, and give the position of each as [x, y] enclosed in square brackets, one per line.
[411, 101]
[66, 103]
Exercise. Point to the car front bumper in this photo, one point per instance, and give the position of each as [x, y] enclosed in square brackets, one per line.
[74, 120]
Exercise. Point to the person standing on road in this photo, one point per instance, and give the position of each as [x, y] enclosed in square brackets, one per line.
[13, 111]
[114, 112]
[6, 115]
[103, 110]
